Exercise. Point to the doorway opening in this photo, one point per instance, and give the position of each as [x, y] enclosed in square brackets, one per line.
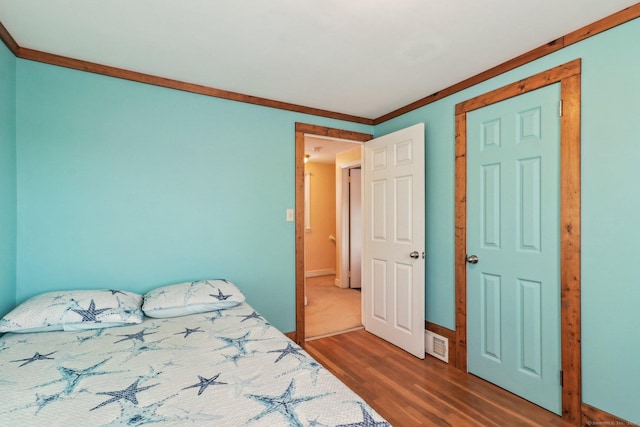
[304, 228]
[333, 237]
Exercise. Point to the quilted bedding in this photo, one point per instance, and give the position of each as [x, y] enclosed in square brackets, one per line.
[222, 368]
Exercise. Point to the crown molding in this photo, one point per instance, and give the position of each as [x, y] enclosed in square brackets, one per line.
[91, 67]
[8, 40]
[604, 24]
[583, 33]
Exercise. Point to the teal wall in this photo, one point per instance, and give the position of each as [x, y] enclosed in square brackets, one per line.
[132, 186]
[610, 202]
[126, 185]
[7, 180]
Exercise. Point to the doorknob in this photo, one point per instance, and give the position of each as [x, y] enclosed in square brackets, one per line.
[472, 259]
[414, 255]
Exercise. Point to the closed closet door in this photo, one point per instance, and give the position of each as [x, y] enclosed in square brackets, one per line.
[355, 228]
[513, 245]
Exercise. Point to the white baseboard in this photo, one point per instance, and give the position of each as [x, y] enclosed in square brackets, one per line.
[317, 273]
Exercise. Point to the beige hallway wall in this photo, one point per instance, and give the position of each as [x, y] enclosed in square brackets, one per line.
[320, 250]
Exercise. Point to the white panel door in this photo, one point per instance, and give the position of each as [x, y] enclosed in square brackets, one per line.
[393, 238]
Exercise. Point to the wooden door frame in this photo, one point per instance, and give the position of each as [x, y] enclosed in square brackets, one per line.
[301, 130]
[569, 76]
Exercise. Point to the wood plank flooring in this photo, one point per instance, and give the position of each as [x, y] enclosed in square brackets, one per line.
[410, 392]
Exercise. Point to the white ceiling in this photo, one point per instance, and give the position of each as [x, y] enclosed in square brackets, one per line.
[359, 57]
[324, 150]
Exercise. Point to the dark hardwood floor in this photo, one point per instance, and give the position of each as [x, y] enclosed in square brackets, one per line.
[410, 392]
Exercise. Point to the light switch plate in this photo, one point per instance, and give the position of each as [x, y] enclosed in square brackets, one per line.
[289, 215]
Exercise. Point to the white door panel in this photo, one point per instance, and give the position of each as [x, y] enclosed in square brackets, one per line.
[393, 229]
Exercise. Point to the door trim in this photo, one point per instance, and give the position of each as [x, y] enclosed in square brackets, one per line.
[569, 77]
[300, 131]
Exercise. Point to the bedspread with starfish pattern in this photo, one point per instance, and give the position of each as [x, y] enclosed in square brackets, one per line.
[222, 368]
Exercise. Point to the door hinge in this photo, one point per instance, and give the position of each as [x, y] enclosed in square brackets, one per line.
[561, 379]
[560, 109]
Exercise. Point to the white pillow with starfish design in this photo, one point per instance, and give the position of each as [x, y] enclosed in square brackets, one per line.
[74, 310]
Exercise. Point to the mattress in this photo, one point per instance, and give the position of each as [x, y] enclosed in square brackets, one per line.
[222, 368]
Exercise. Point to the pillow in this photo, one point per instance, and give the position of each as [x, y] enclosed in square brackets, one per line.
[74, 310]
[191, 297]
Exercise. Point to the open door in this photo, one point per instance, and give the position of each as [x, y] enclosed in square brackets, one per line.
[393, 238]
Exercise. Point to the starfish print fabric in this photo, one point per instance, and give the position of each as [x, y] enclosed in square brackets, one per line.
[186, 298]
[74, 310]
[225, 368]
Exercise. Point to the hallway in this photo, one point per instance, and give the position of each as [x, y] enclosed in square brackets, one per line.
[330, 309]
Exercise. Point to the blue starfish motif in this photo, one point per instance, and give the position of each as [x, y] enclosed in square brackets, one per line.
[216, 315]
[316, 423]
[367, 421]
[235, 357]
[221, 296]
[307, 364]
[188, 331]
[136, 416]
[42, 401]
[138, 336]
[253, 315]
[35, 357]
[140, 346]
[238, 343]
[95, 333]
[74, 376]
[295, 351]
[284, 404]
[239, 384]
[89, 315]
[128, 394]
[155, 294]
[200, 282]
[204, 383]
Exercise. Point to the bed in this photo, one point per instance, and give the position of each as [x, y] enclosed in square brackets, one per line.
[205, 358]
